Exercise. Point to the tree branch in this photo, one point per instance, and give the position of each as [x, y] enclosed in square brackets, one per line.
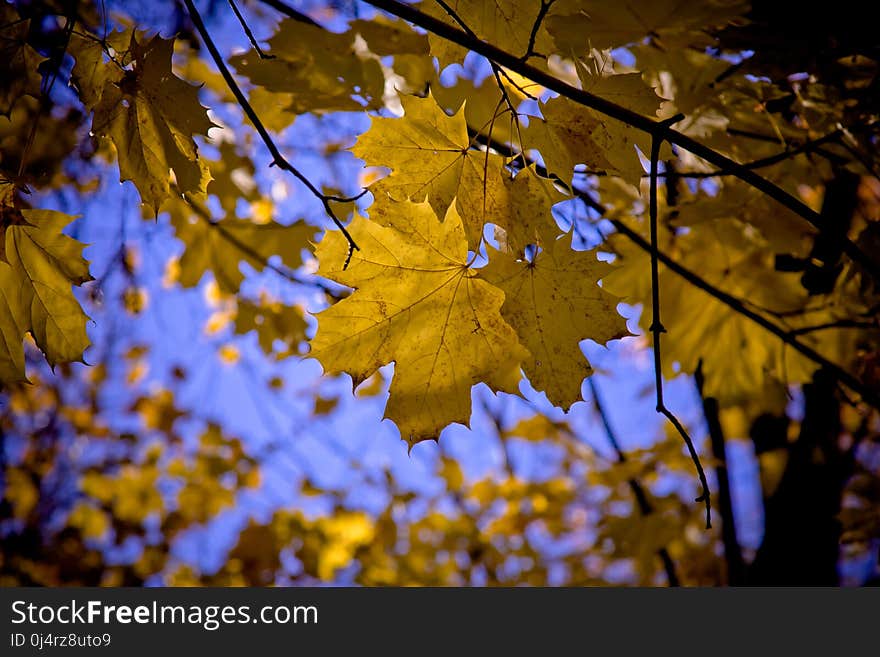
[806, 147]
[46, 85]
[277, 157]
[868, 395]
[533, 35]
[836, 324]
[810, 146]
[657, 328]
[285, 272]
[615, 111]
[290, 12]
[248, 33]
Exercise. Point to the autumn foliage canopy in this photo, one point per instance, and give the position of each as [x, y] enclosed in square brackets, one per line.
[437, 205]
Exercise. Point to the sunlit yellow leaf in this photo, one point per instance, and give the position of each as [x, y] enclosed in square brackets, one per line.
[418, 304]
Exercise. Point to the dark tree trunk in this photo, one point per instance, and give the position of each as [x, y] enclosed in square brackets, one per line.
[732, 551]
[801, 530]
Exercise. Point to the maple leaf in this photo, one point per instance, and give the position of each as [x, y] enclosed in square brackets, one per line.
[18, 60]
[529, 219]
[313, 70]
[578, 25]
[597, 76]
[221, 246]
[571, 134]
[554, 302]
[416, 303]
[38, 267]
[90, 72]
[738, 356]
[273, 108]
[507, 25]
[231, 178]
[485, 111]
[780, 229]
[36, 157]
[411, 52]
[568, 135]
[150, 115]
[694, 77]
[390, 37]
[429, 156]
[273, 322]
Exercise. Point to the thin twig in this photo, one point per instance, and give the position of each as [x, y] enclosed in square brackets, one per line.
[806, 147]
[277, 158]
[347, 199]
[853, 147]
[868, 395]
[812, 145]
[248, 33]
[499, 431]
[837, 324]
[542, 13]
[285, 272]
[513, 83]
[497, 71]
[657, 328]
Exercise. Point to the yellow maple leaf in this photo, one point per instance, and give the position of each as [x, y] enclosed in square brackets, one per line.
[418, 304]
[529, 219]
[232, 178]
[386, 36]
[578, 25]
[571, 134]
[150, 115]
[430, 157]
[273, 322]
[554, 302]
[313, 70]
[627, 89]
[90, 72]
[221, 246]
[568, 135]
[18, 60]
[38, 267]
[484, 108]
[507, 25]
[738, 356]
